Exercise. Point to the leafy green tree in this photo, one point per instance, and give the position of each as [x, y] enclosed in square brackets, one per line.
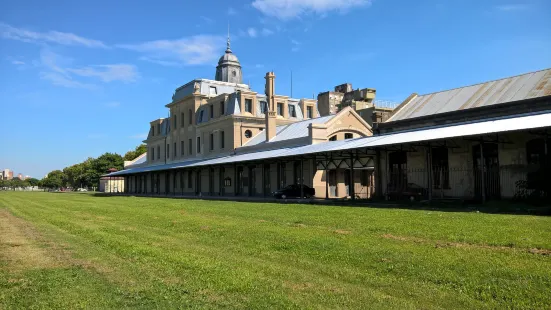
[54, 179]
[33, 182]
[102, 164]
[139, 150]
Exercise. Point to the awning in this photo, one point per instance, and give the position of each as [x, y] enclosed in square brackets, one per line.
[492, 126]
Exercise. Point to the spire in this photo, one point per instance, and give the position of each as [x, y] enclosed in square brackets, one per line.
[228, 49]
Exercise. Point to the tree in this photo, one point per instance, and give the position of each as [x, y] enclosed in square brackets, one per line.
[102, 164]
[54, 179]
[33, 182]
[139, 150]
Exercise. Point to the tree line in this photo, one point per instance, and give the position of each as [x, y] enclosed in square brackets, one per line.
[88, 173]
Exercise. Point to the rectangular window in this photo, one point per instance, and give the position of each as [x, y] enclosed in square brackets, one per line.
[190, 147]
[167, 150]
[221, 139]
[182, 148]
[309, 112]
[175, 152]
[211, 111]
[152, 154]
[198, 147]
[440, 168]
[175, 121]
[280, 108]
[263, 107]
[201, 116]
[190, 117]
[249, 105]
[292, 111]
[212, 90]
[182, 119]
[158, 152]
[222, 112]
[211, 141]
[152, 131]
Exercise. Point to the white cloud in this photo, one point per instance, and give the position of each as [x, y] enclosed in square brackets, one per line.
[231, 11]
[58, 70]
[63, 38]
[267, 32]
[18, 62]
[109, 73]
[112, 104]
[251, 32]
[289, 9]
[196, 50]
[511, 7]
[65, 81]
[139, 136]
[207, 19]
[295, 45]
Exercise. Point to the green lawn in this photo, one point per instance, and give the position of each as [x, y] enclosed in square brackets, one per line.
[81, 251]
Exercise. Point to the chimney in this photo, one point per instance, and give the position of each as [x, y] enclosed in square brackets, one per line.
[271, 113]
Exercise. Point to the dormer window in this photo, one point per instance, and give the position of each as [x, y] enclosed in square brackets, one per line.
[280, 108]
[212, 91]
[249, 105]
[292, 111]
[309, 112]
[263, 107]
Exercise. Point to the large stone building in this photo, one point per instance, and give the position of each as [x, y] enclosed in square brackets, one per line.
[484, 141]
[223, 117]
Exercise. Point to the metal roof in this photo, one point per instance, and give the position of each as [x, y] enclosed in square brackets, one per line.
[522, 122]
[520, 87]
[291, 131]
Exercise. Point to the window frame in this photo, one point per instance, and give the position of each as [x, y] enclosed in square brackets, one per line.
[248, 105]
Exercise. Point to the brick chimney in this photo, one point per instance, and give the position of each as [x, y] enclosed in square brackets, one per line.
[271, 113]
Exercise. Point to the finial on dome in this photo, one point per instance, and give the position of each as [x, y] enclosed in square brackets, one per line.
[228, 49]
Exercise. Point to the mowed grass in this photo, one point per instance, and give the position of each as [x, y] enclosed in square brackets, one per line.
[83, 251]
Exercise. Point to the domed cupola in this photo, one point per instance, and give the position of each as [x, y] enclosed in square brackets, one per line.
[229, 68]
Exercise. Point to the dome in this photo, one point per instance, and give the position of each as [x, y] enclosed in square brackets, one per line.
[229, 68]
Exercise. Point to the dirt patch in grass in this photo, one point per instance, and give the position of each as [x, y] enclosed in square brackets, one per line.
[443, 244]
[342, 232]
[19, 247]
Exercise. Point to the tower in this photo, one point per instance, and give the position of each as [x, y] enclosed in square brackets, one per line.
[229, 68]
[271, 113]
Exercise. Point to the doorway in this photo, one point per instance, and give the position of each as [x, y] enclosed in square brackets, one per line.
[332, 179]
[347, 182]
[486, 168]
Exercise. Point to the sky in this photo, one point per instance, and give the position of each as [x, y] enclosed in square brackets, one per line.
[81, 78]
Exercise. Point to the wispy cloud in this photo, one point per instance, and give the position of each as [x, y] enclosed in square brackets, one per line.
[231, 11]
[290, 9]
[18, 62]
[112, 104]
[267, 32]
[511, 7]
[295, 45]
[109, 73]
[63, 38]
[207, 19]
[196, 50]
[59, 71]
[251, 32]
[139, 136]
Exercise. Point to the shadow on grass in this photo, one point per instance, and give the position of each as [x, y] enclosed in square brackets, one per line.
[492, 207]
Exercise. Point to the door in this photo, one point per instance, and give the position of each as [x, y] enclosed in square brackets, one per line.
[397, 166]
[266, 179]
[347, 182]
[239, 180]
[332, 179]
[252, 181]
[489, 166]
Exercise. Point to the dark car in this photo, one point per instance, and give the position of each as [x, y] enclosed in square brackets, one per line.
[294, 191]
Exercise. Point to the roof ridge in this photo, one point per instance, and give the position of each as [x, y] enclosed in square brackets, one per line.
[480, 83]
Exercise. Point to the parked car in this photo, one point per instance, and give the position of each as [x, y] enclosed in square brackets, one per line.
[82, 190]
[294, 191]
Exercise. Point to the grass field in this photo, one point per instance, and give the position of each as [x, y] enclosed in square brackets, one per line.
[82, 251]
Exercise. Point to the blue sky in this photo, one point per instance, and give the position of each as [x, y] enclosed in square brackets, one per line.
[80, 78]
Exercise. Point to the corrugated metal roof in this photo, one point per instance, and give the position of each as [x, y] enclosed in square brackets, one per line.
[521, 87]
[291, 131]
[524, 122]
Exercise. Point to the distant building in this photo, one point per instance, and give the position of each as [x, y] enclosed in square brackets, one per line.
[20, 177]
[361, 100]
[6, 174]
